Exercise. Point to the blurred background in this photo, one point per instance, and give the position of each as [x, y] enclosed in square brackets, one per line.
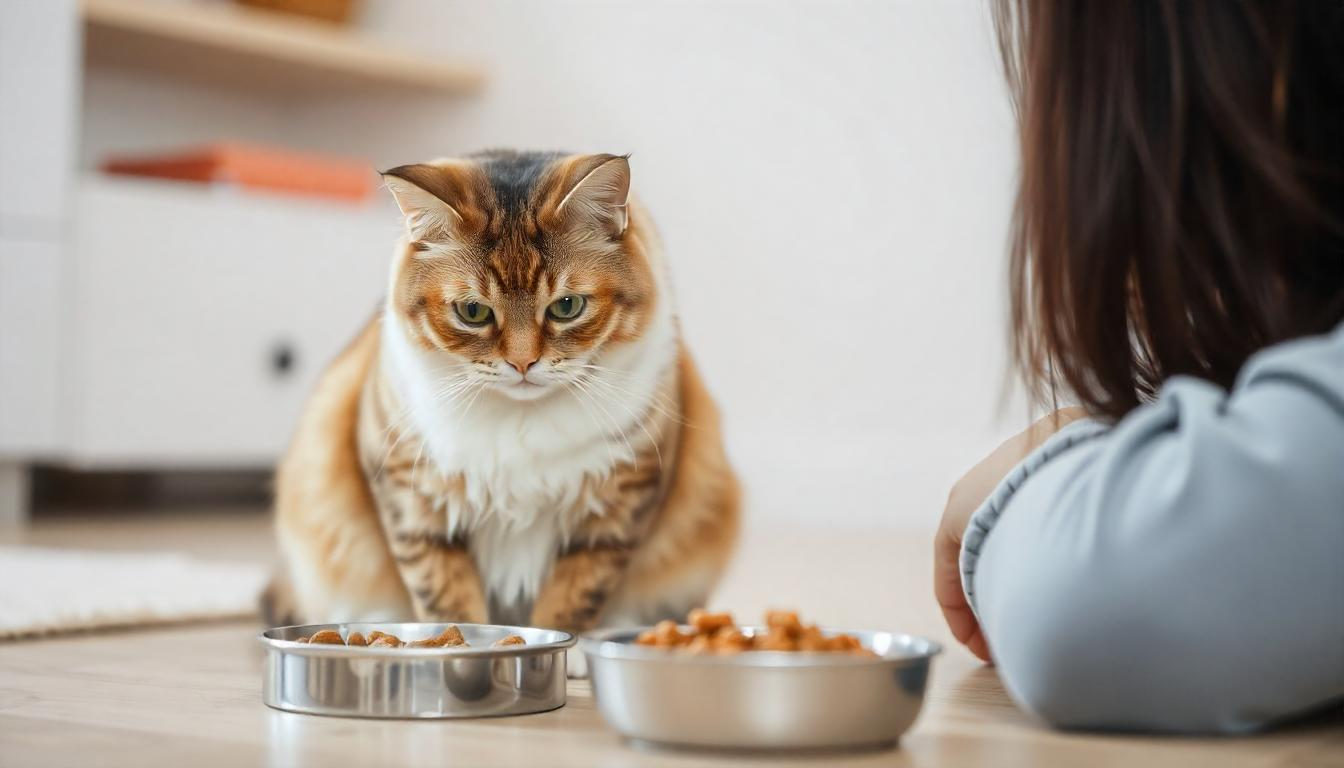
[190, 227]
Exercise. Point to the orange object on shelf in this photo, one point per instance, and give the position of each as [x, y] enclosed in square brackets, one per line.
[276, 170]
[338, 11]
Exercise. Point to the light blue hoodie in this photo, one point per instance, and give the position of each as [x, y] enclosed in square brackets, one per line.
[1182, 570]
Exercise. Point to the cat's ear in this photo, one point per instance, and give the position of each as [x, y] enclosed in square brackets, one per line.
[426, 194]
[597, 188]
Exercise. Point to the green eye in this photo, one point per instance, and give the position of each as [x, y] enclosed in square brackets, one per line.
[473, 312]
[566, 308]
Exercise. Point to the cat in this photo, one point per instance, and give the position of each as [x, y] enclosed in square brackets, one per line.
[520, 436]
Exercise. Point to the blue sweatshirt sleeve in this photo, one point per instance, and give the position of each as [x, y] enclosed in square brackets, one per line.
[1183, 570]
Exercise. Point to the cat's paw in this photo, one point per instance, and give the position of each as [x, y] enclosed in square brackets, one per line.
[576, 665]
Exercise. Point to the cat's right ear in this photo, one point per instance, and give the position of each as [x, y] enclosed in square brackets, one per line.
[426, 194]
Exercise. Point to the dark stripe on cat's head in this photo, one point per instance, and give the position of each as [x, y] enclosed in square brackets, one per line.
[514, 176]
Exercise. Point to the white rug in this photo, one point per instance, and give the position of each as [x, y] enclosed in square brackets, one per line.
[57, 590]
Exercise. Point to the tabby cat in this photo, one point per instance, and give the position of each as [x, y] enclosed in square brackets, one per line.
[520, 437]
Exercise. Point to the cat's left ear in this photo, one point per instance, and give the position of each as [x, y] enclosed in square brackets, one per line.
[425, 195]
[597, 190]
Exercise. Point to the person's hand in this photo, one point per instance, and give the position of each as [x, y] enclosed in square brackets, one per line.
[967, 495]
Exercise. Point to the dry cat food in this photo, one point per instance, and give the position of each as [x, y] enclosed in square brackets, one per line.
[448, 638]
[717, 633]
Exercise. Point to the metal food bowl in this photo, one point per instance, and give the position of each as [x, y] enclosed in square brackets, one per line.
[760, 699]
[478, 681]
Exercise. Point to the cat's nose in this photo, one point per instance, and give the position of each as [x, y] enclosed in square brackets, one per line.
[522, 365]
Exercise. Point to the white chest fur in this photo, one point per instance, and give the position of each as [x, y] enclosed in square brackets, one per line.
[526, 465]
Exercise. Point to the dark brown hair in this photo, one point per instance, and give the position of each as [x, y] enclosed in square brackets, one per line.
[1182, 188]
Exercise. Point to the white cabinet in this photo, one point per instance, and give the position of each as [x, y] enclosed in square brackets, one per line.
[39, 57]
[154, 325]
[201, 318]
[34, 299]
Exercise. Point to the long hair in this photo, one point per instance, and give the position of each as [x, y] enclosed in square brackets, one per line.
[1181, 189]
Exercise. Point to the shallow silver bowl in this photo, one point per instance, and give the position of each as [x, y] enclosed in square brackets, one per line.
[760, 699]
[479, 681]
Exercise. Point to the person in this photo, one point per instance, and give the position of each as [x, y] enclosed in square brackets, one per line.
[1168, 554]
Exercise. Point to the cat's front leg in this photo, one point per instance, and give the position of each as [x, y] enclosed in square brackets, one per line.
[573, 598]
[441, 577]
[438, 571]
[592, 568]
[580, 584]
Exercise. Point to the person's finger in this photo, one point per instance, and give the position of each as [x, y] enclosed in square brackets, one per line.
[951, 599]
[977, 645]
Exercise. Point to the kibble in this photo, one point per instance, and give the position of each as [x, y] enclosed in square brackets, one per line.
[326, 637]
[450, 637]
[716, 633]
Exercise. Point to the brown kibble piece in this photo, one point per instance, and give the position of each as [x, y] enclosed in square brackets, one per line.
[699, 644]
[731, 639]
[386, 641]
[707, 622]
[647, 637]
[786, 620]
[777, 639]
[843, 643]
[511, 640]
[448, 638]
[668, 633]
[356, 639]
[811, 639]
[326, 637]
[451, 636]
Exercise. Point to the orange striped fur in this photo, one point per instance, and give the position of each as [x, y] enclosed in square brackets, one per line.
[534, 467]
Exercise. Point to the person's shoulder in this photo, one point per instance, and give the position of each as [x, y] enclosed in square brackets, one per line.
[1318, 359]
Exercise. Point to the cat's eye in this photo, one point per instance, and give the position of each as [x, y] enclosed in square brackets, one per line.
[473, 312]
[566, 307]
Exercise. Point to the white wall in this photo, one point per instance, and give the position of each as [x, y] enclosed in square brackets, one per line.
[833, 181]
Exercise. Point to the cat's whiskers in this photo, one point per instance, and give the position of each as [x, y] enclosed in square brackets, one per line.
[610, 419]
[654, 400]
[395, 423]
[461, 388]
[570, 385]
[446, 394]
[634, 416]
[481, 388]
[415, 466]
[449, 395]
[657, 398]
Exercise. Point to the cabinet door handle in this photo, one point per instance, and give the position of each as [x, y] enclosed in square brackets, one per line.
[284, 359]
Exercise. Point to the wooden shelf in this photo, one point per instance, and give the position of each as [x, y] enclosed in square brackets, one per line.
[259, 50]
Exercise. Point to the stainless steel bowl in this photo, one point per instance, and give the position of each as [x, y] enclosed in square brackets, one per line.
[479, 681]
[758, 699]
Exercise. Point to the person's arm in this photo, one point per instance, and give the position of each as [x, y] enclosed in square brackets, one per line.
[966, 496]
[1184, 570]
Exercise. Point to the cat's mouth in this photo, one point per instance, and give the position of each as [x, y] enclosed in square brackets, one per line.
[524, 389]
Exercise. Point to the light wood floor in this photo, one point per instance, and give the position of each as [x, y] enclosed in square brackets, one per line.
[191, 696]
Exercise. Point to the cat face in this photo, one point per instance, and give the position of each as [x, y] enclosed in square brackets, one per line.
[520, 268]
